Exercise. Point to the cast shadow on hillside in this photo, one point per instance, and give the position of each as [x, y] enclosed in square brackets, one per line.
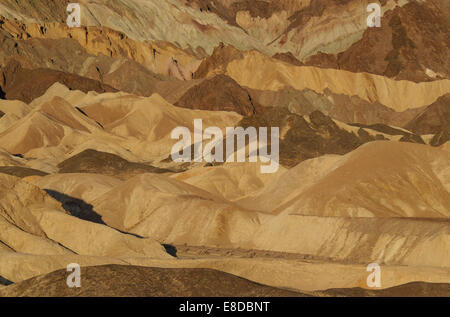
[4, 281]
[76, 207]
[171, 249]
[2, 94]
[82, 210]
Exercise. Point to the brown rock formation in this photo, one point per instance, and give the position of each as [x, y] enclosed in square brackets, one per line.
[433, 119]
[256, 8]
[92, 161]
[406, 136]
[125, 280]
[349, 109]
[47, 10]
[414, 289]
[412, 44]
[323, 60]
[220, 93]
[288, 58]
[27, 84]
[20, 171]
[88, 177]
[308, 137]
[218, 60]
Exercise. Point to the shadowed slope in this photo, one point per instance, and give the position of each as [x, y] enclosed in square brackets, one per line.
[414, 289]
[21, 84]
[253, 70]
[92, 161]
[345, 108]
[117, 280]
[76, 207]
[219, 93]
[4, 281]
[33, 223]
[383, 128]
[302, 138]
[60, 51]
[20, 171]
[435, 119]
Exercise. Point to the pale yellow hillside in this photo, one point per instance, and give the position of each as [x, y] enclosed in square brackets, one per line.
[379, 179]
[231, 181]
[32, 222]
[264, 73]
[171, 211]
[86, 187]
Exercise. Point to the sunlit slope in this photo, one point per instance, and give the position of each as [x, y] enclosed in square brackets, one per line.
[379, 179]
[257, 71]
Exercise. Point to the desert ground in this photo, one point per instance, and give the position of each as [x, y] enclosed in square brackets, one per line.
[87, 174]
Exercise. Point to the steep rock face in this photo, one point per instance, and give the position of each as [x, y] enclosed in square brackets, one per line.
[45, 10]
[157, 57]
[218, 61]
[219, 93]
[324, 33]
[302, 28]
[67, 55]
[229, 11]
[143, 21]
[412, 44]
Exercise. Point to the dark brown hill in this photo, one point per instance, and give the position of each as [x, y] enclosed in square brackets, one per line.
[414, 289]
[135, 281]
[219, 93]
[411, 39]
[219, 59]
[23, 84]
[308, 137]
[433, 119]
[20, 171]
[288, 58]
[92, 161]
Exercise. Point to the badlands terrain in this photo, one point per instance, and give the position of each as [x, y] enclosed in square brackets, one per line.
[86, 174]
